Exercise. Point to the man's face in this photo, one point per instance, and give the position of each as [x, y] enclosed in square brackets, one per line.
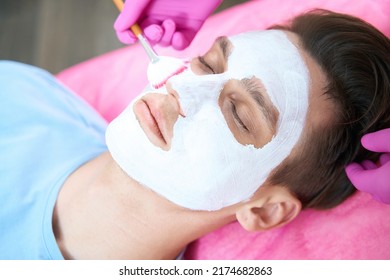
[212, 136]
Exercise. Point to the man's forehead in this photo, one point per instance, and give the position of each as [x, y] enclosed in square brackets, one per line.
[255, 51]
[261, 40]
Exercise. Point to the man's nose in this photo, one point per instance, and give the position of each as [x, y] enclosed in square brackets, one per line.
[173, 94]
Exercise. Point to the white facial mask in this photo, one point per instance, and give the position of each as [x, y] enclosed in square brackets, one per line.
[206, 168]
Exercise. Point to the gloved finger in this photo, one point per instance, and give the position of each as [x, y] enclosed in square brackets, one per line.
[153, 33]
[130, 14]
[368, 165]
[371, 181]
[378, 141]
[360, 177]
[383, 197]
[126, 37]
[384, 158]
[169, 29]
[182, 39]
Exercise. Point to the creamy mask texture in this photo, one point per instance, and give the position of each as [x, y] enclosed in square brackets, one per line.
[206, 168]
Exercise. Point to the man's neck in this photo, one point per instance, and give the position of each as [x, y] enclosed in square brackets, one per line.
[102, 213]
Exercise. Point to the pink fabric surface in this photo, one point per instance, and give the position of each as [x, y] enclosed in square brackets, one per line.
[357, 229]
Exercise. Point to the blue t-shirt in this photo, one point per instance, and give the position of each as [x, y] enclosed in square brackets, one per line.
[46, 133]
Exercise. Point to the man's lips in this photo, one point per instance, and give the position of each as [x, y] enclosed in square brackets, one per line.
[151, 123]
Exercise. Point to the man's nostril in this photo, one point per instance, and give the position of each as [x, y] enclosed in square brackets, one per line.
[176, 98]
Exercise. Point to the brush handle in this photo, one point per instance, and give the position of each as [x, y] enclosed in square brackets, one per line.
[136, 29]
[119, 4]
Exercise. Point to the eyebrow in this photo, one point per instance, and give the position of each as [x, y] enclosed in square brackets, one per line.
[225, 46]
[266, 107]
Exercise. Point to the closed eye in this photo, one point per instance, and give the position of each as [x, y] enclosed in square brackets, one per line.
[205, 64]
[237, 117]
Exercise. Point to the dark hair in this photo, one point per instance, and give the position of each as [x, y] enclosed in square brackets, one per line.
[355, 57]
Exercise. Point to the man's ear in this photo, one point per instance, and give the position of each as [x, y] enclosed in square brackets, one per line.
[269, 208]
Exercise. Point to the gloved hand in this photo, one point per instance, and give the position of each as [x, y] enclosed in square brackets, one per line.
[166, 22]
[368, 176]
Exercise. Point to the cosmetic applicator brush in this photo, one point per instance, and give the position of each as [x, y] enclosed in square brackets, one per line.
[160, 68]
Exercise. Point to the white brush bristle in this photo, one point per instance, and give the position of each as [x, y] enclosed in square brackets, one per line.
[159, 72]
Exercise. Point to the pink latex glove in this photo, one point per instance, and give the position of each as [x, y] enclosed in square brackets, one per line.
[368, 176]
[166, 22]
